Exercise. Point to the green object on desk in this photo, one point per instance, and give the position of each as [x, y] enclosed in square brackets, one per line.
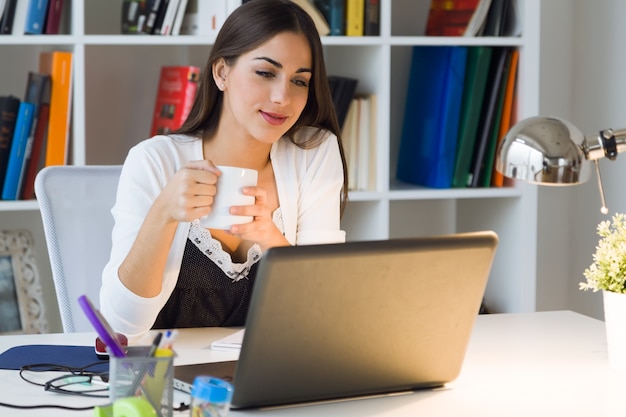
[126, 407]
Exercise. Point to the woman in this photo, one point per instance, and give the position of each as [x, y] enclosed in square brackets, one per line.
[263, 103]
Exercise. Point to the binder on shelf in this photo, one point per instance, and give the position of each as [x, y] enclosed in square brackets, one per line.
[53, 18]
[9, 108]
[58, 64]
[36, 17]
[508, 116]
[38, 93]
[431, 119]
[23, 126]
[175, 94]
[8, 15]
[477, 69]
[487, 166]
[488, 115]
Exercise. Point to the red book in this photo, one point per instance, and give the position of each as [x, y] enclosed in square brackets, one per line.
[450, 17]
[175, 95]
[53, 18]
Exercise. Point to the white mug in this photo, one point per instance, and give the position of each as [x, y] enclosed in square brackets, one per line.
[229, 194]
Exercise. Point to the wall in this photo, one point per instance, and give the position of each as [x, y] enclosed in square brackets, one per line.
[582, 80]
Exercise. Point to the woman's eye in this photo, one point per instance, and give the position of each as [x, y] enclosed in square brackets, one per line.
[265, 74]
[301, 83]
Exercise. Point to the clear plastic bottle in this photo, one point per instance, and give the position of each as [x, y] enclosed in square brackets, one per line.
[210, 397]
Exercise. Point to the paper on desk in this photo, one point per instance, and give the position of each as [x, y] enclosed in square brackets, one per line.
[230, 343]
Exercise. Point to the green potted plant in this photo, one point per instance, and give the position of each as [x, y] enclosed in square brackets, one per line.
[607, 273]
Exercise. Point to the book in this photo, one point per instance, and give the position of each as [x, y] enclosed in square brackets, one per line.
[58, 64]
[15, 162]
[38, 93]
[495, 18]
[431, 119]
[53, 18]
[349, 137]
[320, 22]
[178, 19]
[175, 94]
[487, 167]
[355, 17]
[477, 22]
[476, 72]
[158, 21]
[371, 22]
[488, 113]
[373, 142]
[133, 15]
[342, 90]
[8, 14]
[168, 17]
[147, 24]
[508, 116]
[9, 107]
[334, 13]
[363, 143]
[449, 17]
[36, 161]
[36, 17]
[19, 18]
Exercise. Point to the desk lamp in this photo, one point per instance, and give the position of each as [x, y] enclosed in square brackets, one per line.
[551, 151]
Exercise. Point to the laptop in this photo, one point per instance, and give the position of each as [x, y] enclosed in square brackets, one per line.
[356, 319]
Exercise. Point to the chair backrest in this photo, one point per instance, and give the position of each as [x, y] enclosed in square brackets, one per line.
[75, 204]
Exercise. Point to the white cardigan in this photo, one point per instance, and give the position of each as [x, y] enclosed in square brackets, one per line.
[308, 182]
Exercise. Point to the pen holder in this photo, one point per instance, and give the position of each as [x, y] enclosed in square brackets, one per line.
[144, 376]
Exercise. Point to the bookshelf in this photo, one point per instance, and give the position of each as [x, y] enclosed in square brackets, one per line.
[115, 77]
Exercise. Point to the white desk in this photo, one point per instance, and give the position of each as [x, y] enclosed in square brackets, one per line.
[539, 364]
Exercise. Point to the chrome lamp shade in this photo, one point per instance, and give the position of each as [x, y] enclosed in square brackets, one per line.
[544, 150]
[548, 150]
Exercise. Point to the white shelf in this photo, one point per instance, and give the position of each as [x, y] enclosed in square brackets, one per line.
[114, 85]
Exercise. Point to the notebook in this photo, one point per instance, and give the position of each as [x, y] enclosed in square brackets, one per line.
[356, 319]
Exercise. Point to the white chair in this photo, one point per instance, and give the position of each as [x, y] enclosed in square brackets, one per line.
[75, 204]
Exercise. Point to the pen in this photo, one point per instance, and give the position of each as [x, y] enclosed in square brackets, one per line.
[155, 344]
[168, 340]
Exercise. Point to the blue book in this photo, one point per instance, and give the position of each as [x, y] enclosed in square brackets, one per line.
[23, 127]
[36, 17]
[431, 119]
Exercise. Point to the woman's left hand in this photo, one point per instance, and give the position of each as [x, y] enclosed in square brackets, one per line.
[262, 229]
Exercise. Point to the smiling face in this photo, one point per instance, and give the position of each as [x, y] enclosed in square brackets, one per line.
[266, 89]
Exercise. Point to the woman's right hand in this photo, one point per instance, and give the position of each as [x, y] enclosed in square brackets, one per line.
[190, 193]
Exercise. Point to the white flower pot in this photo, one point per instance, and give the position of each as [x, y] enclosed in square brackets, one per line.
[615, 322]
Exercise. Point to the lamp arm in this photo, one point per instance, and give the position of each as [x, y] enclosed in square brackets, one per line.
[607, 144]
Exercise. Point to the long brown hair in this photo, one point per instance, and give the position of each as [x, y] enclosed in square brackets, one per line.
[246, 28]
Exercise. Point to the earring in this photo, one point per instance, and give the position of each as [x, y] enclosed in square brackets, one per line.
[222, 86]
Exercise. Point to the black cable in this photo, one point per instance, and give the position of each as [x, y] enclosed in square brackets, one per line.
[62, 407]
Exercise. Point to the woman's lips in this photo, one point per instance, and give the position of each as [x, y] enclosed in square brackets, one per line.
[273, 118]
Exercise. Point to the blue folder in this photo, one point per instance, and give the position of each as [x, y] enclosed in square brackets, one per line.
[431, 120]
